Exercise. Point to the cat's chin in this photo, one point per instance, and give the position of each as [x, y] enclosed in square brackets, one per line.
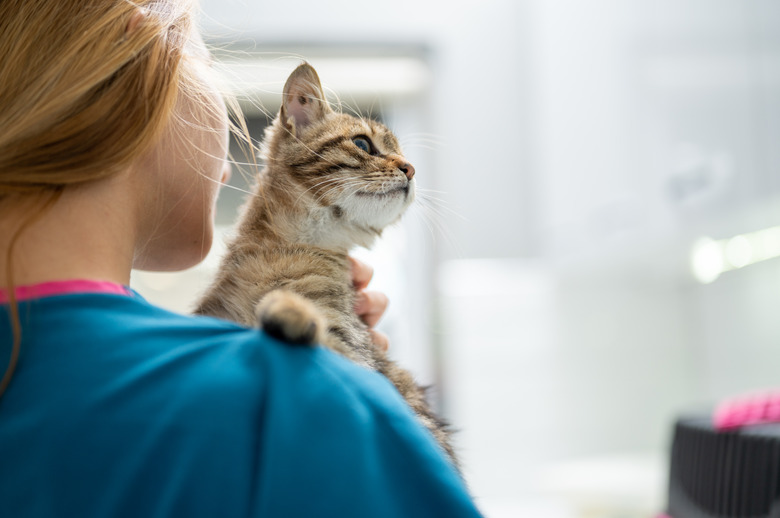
[379, 209]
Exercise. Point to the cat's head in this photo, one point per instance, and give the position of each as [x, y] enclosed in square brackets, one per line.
[351, 167]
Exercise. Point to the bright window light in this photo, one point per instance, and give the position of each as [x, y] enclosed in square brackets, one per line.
[739, 251]
[710, 258]
[707, 260]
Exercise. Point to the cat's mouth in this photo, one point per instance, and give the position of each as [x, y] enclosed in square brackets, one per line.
[401, 190]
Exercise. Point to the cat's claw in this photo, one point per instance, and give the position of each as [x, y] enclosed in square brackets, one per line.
[291, 318]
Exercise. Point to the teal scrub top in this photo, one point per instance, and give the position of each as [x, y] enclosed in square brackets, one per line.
[119, 408]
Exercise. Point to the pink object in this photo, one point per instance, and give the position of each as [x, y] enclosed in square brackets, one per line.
[663, 516]
[747, 410]
[48, 289]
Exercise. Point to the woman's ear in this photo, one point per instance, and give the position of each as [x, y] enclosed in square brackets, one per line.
[303, 101]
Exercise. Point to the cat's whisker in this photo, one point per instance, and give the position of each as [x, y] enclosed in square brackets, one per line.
[436, 213]
[436, 224]
[324, 182]
[358, 185]
[442, 213]
[426, 194]
[429, 194]
[354, 109]
[358, 111]
[418, 146]
[429, 139]
[372, 106]
[244, 164]
[224, 185]
[439, 205]
[338, 182]
[190, 159]
[407, 139]
[426, 190]
[422, 134]
[427, 223]
[337, 104]
[421, 144]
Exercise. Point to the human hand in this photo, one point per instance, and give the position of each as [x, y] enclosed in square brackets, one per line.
[369, 305]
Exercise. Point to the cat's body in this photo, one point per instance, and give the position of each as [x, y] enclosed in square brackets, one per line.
[331, 181]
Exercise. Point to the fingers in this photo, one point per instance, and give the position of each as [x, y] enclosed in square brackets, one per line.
[370, 306]
[361, 273]
[381, 341]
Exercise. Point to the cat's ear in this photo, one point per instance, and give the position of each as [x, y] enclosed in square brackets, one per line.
[303, 101]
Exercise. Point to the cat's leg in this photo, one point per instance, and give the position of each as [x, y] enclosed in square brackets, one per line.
[317, 310]
[415, 396]
[290, 317]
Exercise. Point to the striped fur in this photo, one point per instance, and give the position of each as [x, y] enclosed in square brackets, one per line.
[319, 195]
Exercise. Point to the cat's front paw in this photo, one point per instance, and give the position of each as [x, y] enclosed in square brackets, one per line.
[291, 318]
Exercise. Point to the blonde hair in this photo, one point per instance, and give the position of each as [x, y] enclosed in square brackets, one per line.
[88, 86]
[82, 96]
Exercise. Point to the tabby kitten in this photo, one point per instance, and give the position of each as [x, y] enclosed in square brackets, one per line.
[331, 181]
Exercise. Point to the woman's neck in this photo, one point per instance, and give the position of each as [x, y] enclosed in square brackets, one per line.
[86, 233]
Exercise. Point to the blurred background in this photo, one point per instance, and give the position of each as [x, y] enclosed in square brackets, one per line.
[594, 248]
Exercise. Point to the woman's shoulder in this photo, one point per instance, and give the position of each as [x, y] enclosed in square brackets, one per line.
[151, 349]
[127, 360]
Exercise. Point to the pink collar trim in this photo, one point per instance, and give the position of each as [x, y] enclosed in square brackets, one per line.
[69, 287]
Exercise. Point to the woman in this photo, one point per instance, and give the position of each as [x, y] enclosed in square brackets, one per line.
[113, 144]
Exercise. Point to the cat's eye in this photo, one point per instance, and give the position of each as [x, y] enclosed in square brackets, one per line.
[364, 144]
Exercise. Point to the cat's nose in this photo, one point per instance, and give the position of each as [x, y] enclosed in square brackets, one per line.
[408, 169]
[400, 163]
